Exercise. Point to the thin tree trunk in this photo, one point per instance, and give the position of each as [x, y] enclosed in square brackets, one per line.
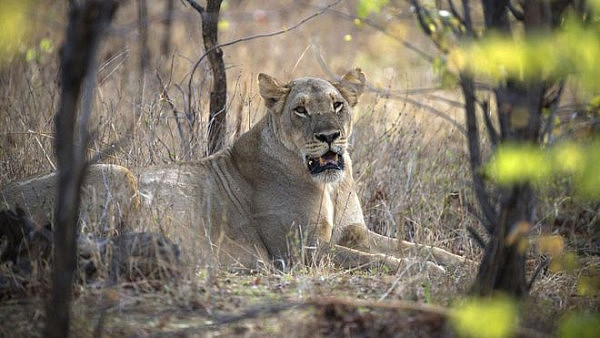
[165, 47]
[473, 141]
[519, 108]
[218, 96]
[142, 9]
[143, 31]
[508, 211]
[87, 20]
[503, 264]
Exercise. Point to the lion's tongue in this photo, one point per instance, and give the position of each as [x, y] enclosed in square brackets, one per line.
[328, 158]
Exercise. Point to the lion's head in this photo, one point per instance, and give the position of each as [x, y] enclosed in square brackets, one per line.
[313, 118]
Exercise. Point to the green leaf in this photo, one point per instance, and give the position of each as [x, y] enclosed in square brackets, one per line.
[46, 45]
[31, 55]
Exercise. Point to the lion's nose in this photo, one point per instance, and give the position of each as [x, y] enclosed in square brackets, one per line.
[328, 137]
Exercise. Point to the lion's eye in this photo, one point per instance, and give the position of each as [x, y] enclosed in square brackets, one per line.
[300, 111]
[337, 106]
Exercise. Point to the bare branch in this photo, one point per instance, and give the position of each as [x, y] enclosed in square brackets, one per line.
[383, 30]
[554, 108]
[467, 85]
[515, 12]
[419, 104]
[492, 132]
[196, 6]
[467, 17]
[164, 96]
[455, 13]
[477, 237]
[541, 267]
[421, 12]
[425, 21]
[495, 15]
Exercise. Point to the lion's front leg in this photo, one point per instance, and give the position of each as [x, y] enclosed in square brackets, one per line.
[393, 246]
[354, 249]
[351, 231]
[350, 258]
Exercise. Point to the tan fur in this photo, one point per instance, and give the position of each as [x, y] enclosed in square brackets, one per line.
[257, 202]
[109, 197]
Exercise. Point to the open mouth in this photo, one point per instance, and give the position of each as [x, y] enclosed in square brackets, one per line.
[328, 161]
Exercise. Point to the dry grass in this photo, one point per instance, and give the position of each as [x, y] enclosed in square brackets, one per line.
[411, 170]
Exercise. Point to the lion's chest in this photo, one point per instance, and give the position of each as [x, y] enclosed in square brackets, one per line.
[291, 215]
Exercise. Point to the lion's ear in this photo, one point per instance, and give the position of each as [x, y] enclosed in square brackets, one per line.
[271, 90]
[352, 85]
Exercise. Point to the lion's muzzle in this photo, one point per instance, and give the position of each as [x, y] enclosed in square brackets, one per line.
[329, 161]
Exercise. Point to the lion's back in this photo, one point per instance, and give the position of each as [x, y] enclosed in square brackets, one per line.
[109, 196]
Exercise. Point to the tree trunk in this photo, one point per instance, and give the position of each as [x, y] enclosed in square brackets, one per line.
[503, 264]
[143, 31]
[218, 96]
[508, 211]
[165, 46]
[87, 20]
[519, 109]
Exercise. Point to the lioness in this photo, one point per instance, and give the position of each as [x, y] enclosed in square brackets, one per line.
[291, 173]
[286, 183]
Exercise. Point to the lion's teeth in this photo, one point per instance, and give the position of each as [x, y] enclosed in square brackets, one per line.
[321, 161]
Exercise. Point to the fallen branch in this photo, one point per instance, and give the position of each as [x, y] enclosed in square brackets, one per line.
[320, 302]
[273, 309]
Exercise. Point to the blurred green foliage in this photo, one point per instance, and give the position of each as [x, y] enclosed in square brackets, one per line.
[575, 50]
[565, 51]
[486, 317]
[365, 7]
[518, 163]
[579, 325]
[36, 54]
[13, 27]
[223, 25]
